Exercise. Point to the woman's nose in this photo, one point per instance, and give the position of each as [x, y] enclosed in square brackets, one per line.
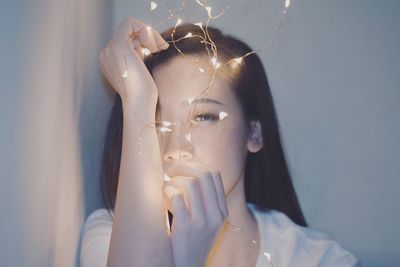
[177, 146]
[177, 155]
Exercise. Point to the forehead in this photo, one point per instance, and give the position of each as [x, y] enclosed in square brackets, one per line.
[180, 80]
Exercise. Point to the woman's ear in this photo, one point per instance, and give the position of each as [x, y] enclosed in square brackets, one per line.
[254, 139]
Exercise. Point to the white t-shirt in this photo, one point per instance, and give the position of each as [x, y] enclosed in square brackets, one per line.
[288, 244]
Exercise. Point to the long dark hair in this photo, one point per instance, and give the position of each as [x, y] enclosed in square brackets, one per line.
[268, 182]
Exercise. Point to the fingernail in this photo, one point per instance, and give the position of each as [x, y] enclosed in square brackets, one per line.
[164, 46]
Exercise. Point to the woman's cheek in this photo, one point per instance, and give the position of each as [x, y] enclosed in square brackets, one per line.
[226, 153]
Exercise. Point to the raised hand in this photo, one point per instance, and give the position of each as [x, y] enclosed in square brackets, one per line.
[197, 199]
[122, 60]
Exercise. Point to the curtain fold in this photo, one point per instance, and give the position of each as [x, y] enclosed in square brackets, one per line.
[53, 112]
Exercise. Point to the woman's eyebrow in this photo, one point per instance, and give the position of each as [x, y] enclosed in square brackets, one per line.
[193, 101]
[205, 100]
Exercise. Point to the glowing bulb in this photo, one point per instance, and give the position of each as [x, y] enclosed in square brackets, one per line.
[215, 63]
[238, 60]
[167, 178]
[222, 115]
[179, 21]
[165, 129]
[201, 70]
[199, 24]
[268, 256]
[148, 28]
[189, 35]
[153, 5]
[189, 137]
[208, 8]
[125, 74]
[287, 3]
[166, 123]
[146, 51]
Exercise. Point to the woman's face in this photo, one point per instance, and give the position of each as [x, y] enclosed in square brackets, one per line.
[209, 129]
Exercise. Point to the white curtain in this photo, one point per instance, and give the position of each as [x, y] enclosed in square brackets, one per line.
[52, 113]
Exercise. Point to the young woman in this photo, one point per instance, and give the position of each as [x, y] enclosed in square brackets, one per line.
[203, 120]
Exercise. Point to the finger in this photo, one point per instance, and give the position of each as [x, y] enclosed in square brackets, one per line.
[136, 44]
[209, 194]
[139, 51]
[130, 26]
[193, 196]
[177, 202]
[160, 42]
[146, 37]
[126, 28]
[219, 186]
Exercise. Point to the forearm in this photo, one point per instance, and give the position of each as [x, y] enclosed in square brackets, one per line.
[139, 236]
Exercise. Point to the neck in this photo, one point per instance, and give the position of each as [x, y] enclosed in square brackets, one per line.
[231, 240]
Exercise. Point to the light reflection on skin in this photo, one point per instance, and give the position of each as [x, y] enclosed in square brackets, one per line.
[218, 131]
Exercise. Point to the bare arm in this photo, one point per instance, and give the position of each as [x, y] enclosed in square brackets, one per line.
[139, 236]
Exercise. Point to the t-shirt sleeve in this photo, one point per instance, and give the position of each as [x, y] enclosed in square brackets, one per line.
[337, 256]
[95, 242]
[327, 252]
[292, 245]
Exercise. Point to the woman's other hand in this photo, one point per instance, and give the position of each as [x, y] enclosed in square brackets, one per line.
[121, 61]
[197, 199]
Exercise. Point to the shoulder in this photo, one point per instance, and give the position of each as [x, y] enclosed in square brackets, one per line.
[96, 236]
[290, 244]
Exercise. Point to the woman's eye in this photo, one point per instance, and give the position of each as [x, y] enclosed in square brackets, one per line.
[205, 117]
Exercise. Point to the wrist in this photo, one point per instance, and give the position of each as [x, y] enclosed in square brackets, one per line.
[139, 110]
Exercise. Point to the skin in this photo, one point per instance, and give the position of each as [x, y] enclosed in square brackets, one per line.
[201, 176]
[216, 145]
[138, 233]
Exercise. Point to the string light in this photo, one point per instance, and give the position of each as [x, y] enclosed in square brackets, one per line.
[146, 51]
[268, 256]
[125, 74]
[238, 60]
[167, 178]
[166, 123]
[212, 53]
[200, 24]
[215, 63]
[223, 115]
[165, 129]
[208, 9]
[153, 5]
